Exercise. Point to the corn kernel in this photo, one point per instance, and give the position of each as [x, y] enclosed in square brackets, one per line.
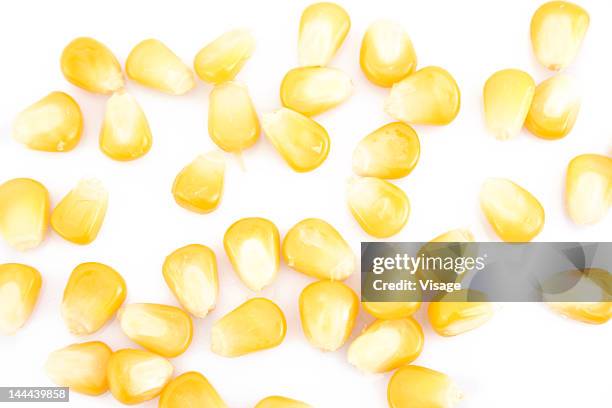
[164, 330]
[199, 186]
[386, 345]
[253, 247]
[81, 366]
[92, 295]
[152, 64]
[390, 152]
[191, 274]
[136, 376]
[557, 31]
[328, 310]
[232, 120]
[391, 310]
[19, 288]
[125, 133]
[323, 28]
[514, 214]
[224, 57]
[456, 235]
[452, 318]
[387, 55]
[419, 387]
[315, 248]
[24, 213]
[190, 389]
[88, 64]
[257, 324]
[588, 188]
[281, 402]
[507, 98]
[587, 312]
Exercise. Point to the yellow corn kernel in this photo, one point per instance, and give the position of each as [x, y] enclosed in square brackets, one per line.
[587, 312]
[125, 133]
[430, 96]
[165, 330]
[24, 213]
[507, 98]
[92, 295]
[453, 318]
[323, 28]
[253, 247]
[81, 366]
[557, 30]
[190, 389]
[191, 274]
[224, 57]
[314, 248]
[257, 324]
[199, 186]
[386, 345]
[456, 235]
[391, 310]
[554, 108]
[136, 376]
[232, 120]
[19, 288]
[152, 64]
[419, 387]
[588, 188]
[390, 152]
[89, 64]
[281, 402]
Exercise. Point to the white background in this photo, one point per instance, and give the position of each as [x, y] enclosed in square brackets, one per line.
[526, 356]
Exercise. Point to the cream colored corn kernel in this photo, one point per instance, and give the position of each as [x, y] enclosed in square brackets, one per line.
[281, 402]
[588, 188]
[586, 312]
[456, 235]
[419, 387]
[323, 28]
[19, 288]
[222, 59]
[199, 186]
[453, 318]
[391, 310]
[190, 389]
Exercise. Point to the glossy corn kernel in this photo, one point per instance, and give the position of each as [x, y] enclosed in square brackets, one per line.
[391, 310]
[224, 57]
[199, 186]
[257, 324]
[136, 376]
[281, 402]
[390, 152]
[88, 64]
[456, 235]
[507, 98]
[430, 96]
[24, 213]
[164, 330]
[588, 188]
[514, 214]
[191, 274]
[92, 295]
[323, 27]
[154, 65]
[453, 318]
[314, 248]
[125, 133]
[557, 30]
[82, 367]
[386, 345]
[586, 312]
[253, 247]
[190, 389]
[19, 288]
[419, 387]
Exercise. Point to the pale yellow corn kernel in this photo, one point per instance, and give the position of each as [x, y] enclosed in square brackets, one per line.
[419, 387]
[222, 59]
[430, 96]
[514, 214]
[391, 310]
[386, 345]
[253, 247]
[588, 188]
[81, 367]
[136, 376]
[323, 28]
[557, 31]
[199, 185]
[164, 330]
[89, 64]
[554, 108]
[190, 389]
[92, 295]
[281, 402]
[258, 324]
[24, 213]
[232, 120]
[456, 235]
[152, 64]
[191, 274]
[314, 248]
[586, 312]
[390, 152]
[19, 288]
[507, 98]
[125, 133]
[452, 318]
[79, 216]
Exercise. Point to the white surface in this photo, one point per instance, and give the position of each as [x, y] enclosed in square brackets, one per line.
[526, 356]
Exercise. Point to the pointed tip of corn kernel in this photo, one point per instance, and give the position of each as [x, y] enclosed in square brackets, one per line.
[420, 387]
[323, 28]
[588, 188]
[222, 59]
[281, 402]
[199, 186]
[19, 288]
[190, 389]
